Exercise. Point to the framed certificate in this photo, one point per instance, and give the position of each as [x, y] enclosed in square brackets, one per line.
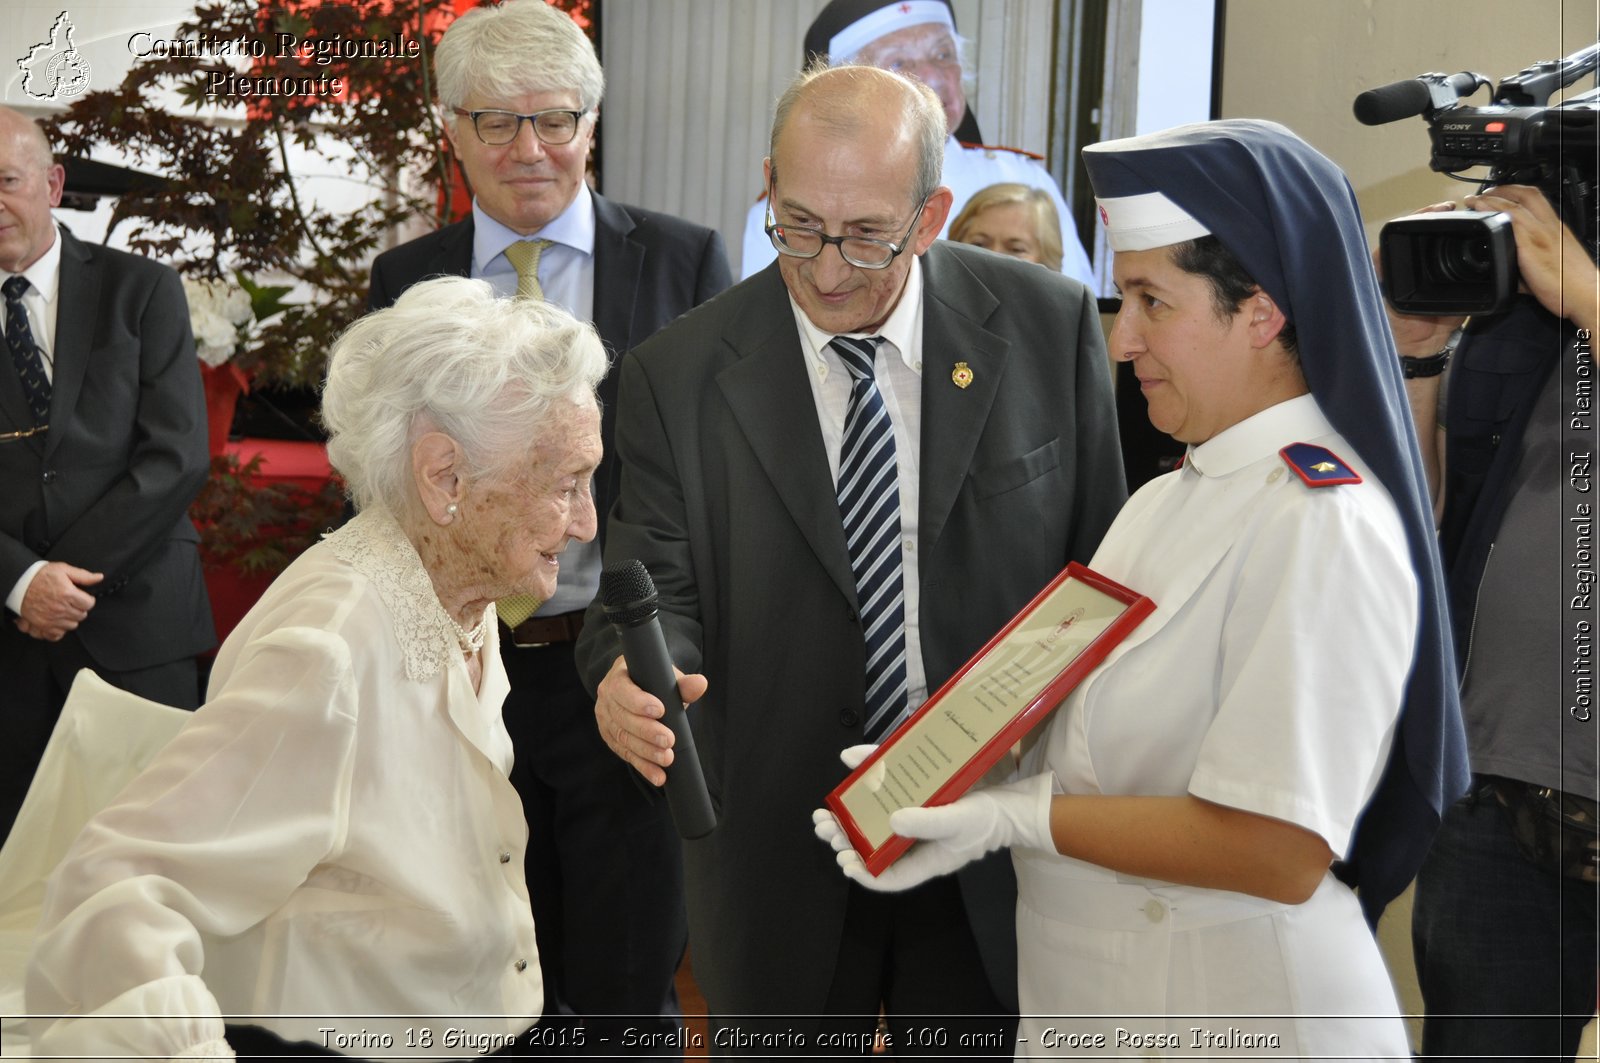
[999, 695]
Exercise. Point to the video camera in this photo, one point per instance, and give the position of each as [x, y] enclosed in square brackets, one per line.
[1465, 262]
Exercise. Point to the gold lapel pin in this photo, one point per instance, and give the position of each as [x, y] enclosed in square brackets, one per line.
[961, 375]
[1324, 466]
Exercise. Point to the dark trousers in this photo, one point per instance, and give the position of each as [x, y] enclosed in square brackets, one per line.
[34, 680]
[1505, 950]
[908, 959]
[604, 867]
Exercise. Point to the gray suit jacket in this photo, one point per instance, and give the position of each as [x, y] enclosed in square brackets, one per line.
[108, 487]
[727, 498]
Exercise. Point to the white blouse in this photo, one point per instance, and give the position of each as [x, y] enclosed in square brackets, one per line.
[330, 849]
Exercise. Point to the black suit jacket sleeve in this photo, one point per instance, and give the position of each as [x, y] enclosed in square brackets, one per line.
[1099, 484]
[650, 520]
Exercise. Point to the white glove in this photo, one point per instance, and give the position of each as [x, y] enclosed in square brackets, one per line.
[1014, 814]
[825, 823]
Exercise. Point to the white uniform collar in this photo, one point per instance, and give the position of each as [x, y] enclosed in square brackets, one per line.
[1261, 435]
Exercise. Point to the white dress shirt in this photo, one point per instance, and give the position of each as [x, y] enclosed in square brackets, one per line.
[333, 834]
[898, 371]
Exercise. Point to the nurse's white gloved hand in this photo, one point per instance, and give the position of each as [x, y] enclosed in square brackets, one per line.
[951, 836]
[825, 823]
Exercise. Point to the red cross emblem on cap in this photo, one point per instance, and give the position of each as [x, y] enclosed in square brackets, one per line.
[905, 9]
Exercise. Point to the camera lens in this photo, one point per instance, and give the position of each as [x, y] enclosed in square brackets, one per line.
[1460, 260]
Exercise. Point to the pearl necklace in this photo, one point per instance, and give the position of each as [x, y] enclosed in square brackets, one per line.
[471, 641]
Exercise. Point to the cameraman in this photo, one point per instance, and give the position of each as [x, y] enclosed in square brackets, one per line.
[1504, 918]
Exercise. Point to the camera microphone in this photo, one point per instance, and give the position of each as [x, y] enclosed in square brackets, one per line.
[628, 595]
[1414, 96]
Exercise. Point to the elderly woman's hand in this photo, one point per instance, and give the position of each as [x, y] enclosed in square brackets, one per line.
[630, 720]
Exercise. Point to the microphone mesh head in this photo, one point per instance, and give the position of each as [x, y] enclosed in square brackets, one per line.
[627, 592]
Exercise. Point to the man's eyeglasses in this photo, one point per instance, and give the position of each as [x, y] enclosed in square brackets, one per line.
[499, 128]
[861, 251]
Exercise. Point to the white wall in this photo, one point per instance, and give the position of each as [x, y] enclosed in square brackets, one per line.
[1303, 62]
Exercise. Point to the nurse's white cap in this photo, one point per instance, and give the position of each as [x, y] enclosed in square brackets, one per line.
[1146, 221]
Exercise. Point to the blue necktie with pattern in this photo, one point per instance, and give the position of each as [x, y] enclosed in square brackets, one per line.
[869, 506]
[24, 352]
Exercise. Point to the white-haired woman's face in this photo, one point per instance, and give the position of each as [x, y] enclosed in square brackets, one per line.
[515, 531]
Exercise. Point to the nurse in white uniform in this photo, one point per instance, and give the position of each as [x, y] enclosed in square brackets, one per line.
[1177, 824]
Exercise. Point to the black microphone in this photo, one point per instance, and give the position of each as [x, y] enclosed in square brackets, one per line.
[1413, 96]
[629, 596]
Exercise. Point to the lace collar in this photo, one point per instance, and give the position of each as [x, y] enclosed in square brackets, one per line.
[373, 544]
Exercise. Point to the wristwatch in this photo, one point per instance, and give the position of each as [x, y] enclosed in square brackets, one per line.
[1431, 364]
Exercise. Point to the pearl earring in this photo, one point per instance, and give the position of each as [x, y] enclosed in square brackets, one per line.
[450, 512]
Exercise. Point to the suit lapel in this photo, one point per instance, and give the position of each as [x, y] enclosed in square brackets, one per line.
[618, 263]
[76, 303]
[770, 397]
[955, 305]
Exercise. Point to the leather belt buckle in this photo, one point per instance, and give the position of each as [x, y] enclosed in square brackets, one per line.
[539, 631]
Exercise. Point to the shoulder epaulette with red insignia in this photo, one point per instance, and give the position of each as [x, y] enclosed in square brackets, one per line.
[1026, 154]
[1318, 466]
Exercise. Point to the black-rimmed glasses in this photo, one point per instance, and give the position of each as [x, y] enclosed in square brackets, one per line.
[499, 128]
[860, 251]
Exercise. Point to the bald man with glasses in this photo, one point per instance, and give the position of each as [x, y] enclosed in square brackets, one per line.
[844, 476]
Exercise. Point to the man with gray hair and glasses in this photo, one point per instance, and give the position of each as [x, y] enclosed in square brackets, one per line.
[519, 87]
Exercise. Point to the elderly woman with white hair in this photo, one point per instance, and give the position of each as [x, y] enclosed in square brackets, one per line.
[334, 833]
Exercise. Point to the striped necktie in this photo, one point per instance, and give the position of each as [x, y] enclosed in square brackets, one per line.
[869, 507]
[524, 256]
[24, 351]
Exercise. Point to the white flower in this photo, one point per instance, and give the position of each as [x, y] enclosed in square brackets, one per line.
[217, 312]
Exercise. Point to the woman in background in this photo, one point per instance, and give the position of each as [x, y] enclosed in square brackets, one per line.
[1014, 220]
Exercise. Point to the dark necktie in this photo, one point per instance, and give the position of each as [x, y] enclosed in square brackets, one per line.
[24, 352]
[869, 506]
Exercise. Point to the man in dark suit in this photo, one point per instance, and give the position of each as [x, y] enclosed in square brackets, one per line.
[742, 430]
[102, 449]
[519, 85]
